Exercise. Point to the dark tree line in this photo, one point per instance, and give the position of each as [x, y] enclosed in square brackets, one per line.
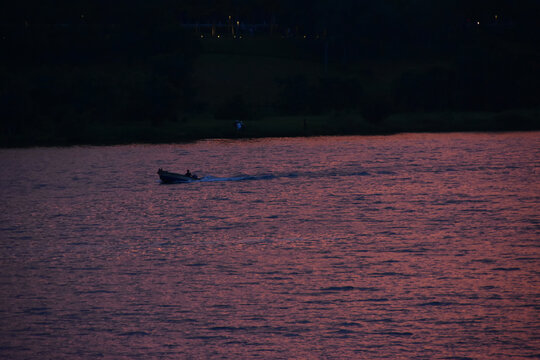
[66, 64]
[58, 79]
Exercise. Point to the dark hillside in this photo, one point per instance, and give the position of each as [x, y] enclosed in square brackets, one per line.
[124, 71]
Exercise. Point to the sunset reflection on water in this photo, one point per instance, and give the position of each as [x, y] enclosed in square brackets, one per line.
[409, 246]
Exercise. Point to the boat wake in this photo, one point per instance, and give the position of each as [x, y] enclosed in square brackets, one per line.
[237, 178]
[244, 177]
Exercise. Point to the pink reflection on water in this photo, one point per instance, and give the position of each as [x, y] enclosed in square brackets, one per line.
[357, 247]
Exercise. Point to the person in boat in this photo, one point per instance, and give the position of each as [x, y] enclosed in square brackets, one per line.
[188, 173]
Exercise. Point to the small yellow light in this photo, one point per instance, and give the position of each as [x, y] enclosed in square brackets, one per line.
[478, 23]
[202, 36]
[237, 23]
[496, 17]
[218, 36]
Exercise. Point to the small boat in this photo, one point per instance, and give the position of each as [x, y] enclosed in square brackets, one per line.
[168, 177]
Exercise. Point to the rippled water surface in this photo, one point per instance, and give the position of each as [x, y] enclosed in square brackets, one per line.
[399, 247]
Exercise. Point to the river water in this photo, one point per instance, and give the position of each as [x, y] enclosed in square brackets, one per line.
[418, 246]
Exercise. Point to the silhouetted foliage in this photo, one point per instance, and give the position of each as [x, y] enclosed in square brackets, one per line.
[66, 66]
[295, 96]
[298, 96]
[338, 94]
[431, 90]
[59, 78]
[233, 109]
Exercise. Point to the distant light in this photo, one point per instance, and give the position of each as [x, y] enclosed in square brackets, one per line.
[496, 17]
[202, 36]
[237, 22]
[478, 23]
[218, 36]
[305, 36]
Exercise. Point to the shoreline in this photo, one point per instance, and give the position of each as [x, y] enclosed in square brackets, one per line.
[336, 124]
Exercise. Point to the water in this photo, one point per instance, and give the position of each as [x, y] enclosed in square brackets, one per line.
[398, 247]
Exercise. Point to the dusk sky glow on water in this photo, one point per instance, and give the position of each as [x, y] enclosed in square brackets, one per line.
[398, 247]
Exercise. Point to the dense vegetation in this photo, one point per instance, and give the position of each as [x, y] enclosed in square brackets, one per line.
[97, 71]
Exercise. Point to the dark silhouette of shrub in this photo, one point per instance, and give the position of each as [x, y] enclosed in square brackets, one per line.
[235, 108]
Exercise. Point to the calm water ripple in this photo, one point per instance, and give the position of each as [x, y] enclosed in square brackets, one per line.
[400, 247]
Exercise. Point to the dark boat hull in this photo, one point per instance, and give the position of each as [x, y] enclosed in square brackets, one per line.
[171, 178]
